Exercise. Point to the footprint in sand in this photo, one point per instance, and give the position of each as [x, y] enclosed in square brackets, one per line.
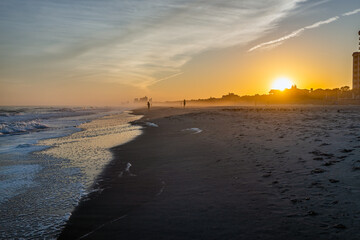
[346, 150]
[266, 175]
[312, 213]
[329, 163]
[339, 226]
[322, 154]
[333, 180]
[317, 170]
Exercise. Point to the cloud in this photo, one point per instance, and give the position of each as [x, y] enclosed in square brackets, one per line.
[298, 32]
[279, 40]
[352, 12]
[136, 42]
[318, 24]
[165, 78]
[293, 34]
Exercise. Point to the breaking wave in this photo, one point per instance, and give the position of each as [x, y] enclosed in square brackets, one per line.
[21, 127]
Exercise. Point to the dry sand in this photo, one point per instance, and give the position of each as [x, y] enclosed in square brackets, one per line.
[251, 173]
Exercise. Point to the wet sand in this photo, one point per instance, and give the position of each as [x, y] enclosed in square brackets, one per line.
[250, 173]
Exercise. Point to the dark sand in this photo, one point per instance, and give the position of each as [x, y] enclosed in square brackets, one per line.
[252, 173]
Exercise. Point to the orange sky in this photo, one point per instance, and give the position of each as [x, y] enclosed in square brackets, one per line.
[106, 59]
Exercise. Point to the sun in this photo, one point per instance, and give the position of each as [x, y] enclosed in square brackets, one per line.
[282, 83]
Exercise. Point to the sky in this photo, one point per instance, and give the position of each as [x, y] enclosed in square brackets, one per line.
[107, 52]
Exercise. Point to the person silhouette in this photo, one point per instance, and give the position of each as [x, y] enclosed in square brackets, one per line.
[184, 103]
[148, 105]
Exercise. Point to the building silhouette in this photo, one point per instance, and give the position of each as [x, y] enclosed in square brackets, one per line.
[142, 100]
[356, 72]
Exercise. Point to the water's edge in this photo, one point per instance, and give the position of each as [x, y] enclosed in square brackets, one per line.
[67, 171]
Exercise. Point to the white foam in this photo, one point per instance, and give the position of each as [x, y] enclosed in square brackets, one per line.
[70, 167]
[150, 124]
[194, 130]
[88, 150]
[18, 127]
[128, 166]
[127, 170]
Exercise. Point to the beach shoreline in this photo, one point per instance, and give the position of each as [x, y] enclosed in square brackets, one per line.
[229, 173]
[49, 158]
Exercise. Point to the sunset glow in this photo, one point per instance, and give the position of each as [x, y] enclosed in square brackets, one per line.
[282, 83]
[123, 50]
[190, 115]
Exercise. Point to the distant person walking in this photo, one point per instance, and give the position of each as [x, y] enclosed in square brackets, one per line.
[148, 104]
[184, 103]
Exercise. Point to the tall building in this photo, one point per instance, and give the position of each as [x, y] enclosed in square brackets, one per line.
[356, 72]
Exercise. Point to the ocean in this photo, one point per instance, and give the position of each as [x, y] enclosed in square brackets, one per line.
[49, 159]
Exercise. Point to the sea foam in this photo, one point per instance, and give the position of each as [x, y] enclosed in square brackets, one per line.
[150, 124]
[38, 190]
[194, 130]
[21, 127]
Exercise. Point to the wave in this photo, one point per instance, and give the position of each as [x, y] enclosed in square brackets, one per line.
[15, 115]
[21, 127]
[9, 113]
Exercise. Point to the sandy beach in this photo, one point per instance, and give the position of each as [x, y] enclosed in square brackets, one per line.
[230, 173]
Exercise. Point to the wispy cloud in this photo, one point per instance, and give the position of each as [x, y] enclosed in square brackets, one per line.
[299, 31]
[352, 12]
[135, 42]
[279, 40]
[165, 78]
[318, 24]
